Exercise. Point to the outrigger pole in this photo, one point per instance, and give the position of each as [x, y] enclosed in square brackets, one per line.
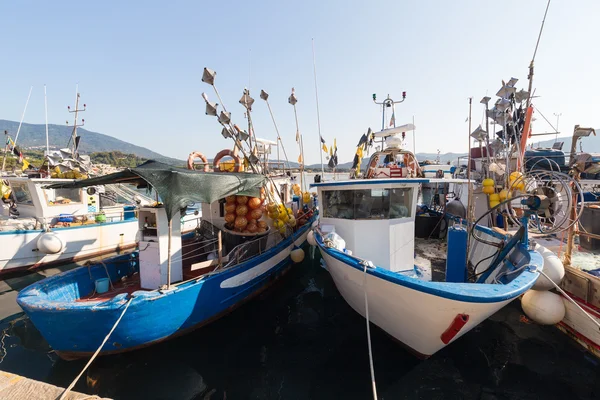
[293, 100]
[265, 96]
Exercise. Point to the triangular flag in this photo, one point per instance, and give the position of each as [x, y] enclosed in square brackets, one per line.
[300, 159]
[325, 148]
[25, 165]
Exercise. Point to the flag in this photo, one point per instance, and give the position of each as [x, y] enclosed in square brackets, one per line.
[359, 152]
[325, 148]
[300, 159]
[297, 136]
[393, 119]
[363, 140]
[25, 165]
[322, 140]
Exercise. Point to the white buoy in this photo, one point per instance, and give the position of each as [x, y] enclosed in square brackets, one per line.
[50, 243]
[553, 267]
[311, 238]
[543, 307]
[297, 255]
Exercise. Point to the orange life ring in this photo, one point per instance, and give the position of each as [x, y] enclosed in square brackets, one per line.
[411, 163]
[227, 152]
[193, 156]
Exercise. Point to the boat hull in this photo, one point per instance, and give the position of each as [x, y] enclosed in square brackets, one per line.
[414, 318]
[583, 288]
[18, 249]
[76, 329]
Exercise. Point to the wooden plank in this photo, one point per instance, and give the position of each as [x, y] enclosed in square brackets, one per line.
[17, 387]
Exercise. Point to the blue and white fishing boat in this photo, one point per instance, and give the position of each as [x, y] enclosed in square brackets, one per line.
[425, 292]
[169, 287]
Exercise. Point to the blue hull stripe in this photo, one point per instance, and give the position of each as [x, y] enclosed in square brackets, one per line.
[467, 292]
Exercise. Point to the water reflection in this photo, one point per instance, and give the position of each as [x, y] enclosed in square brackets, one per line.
[300, 340]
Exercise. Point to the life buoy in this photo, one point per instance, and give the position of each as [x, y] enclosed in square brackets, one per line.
[193, 156]
[227, 152]
[372, 166]
[411, 163]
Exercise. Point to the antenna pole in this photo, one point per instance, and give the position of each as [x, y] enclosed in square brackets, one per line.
[22, 116]
[470, 199]
[318, 115]
[530, 76]
[46, 115]
[414, 139]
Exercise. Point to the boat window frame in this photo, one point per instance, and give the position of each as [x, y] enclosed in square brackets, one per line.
[354, 209]
[80, 202]
[24, 188]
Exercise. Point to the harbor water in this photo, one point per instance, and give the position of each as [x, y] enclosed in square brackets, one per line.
[300, 340]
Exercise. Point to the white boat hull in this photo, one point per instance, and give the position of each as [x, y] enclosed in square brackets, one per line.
[18, 249]
[415, 318]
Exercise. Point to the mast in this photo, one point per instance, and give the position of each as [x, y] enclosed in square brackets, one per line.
[470, 186]
[46, 116]
[318, 115]
[74, 137]
[23, 116]
[293, 100]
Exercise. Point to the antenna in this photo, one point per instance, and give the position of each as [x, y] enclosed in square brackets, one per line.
[77, 110]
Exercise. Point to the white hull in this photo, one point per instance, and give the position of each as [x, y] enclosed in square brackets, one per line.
[18, 249]
[415, 318]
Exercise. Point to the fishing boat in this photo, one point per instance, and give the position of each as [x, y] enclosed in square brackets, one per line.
[425, 292]
[42, 227]
[169, 286]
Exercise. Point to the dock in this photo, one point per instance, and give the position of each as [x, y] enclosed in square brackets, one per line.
[18, 387]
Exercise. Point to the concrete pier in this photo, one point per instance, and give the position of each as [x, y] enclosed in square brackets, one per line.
[17, 387]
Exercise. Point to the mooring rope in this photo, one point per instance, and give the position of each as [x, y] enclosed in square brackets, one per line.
[373, 384]
[67, 390]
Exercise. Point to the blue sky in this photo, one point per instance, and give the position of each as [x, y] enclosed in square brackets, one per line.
[139, 64]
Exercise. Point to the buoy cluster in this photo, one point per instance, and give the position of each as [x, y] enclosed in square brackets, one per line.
[244, 214]
[516, 182]
[538, 303]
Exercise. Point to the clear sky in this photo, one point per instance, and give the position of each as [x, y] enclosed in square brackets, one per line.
[139, 64]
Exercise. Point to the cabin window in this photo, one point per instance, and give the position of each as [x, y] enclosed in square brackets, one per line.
[55, 197]
[367, 203]
[400, 203]
[21, 193]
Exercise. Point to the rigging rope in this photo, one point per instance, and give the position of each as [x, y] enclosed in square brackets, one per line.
[571, 299]
[373, 384]
[68, 389]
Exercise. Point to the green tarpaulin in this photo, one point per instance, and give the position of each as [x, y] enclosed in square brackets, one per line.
[178, 187]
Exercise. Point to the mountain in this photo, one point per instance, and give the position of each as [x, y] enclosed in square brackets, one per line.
[34, 136]
[589, 144]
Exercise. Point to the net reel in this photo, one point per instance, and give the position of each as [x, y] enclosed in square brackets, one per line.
[544, 199]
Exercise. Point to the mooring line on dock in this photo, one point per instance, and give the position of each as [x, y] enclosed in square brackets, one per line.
[68, 389]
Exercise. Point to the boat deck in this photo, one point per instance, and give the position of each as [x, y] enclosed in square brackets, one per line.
[430, 259]
[132, 284]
